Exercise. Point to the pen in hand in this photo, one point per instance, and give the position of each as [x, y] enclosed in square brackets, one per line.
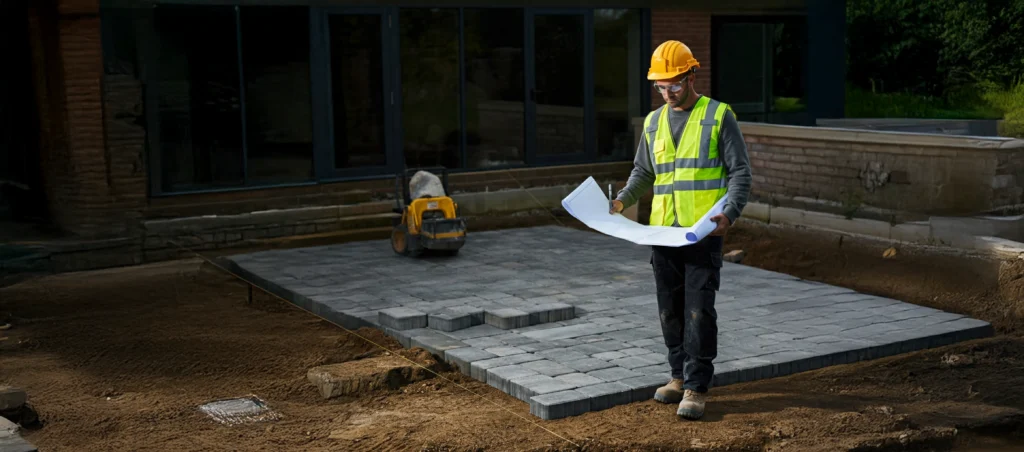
[611, 201]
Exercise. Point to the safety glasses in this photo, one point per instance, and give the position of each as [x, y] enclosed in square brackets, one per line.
[675, 87]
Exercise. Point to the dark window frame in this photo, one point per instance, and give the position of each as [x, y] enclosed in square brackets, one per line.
[323, 171]
[770, 116]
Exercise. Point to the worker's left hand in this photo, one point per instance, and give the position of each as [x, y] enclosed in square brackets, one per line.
[723, 224]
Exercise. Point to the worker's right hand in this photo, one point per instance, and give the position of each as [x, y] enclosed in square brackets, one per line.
[615, 206]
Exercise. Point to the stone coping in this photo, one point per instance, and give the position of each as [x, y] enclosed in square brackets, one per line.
[880, 137]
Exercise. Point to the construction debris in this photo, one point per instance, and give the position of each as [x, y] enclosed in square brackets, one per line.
[13, 411]
[351, 377]
[955, 360]
[11, 398]
[734, 256]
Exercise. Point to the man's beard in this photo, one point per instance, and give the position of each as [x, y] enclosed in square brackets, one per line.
[679, 103]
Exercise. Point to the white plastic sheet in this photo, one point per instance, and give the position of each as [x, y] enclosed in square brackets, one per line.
[425, 185]
[588, 204]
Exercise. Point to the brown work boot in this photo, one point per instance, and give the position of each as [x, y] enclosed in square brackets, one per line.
[692, 406]
[671, 392]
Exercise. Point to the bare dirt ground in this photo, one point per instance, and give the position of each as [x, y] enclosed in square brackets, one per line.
[121, 359]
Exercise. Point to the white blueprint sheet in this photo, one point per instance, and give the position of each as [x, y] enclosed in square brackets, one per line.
[590, 205]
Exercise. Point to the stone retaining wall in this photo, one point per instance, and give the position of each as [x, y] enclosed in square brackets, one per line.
[904, 172]
[895, 176]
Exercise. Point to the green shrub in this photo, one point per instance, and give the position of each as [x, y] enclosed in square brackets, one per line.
[1009, 101]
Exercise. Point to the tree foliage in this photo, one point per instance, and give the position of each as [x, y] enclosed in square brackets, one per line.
[934, 47]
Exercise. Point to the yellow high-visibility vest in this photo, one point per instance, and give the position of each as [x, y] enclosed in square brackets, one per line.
[690, 178]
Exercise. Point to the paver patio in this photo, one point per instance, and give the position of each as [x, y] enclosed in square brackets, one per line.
[567, 321]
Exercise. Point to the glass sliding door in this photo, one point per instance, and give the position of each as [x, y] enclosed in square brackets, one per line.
[493, 95]
[227, 105]
[742, 67]
[429, 60]
[357, 105]
[278, 131]
[195, 105]
[770, 53]
[561, 85]
[619, 81]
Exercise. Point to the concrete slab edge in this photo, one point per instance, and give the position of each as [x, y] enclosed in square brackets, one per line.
[566, 403]
[916, 233]
[322, 310]
[15, 443]
[10, 438]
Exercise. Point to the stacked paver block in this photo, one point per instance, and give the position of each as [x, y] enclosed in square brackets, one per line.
[567, 320]
[507, 318]
[402, 318]
[456, 318]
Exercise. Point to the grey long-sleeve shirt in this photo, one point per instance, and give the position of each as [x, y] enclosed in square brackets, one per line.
[731, 147]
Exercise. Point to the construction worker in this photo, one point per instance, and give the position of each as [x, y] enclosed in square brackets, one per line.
[691, 154]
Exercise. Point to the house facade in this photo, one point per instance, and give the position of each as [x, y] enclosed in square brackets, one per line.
[132, 106]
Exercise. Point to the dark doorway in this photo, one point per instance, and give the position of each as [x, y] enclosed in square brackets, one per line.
[20, 184]
[760, 67]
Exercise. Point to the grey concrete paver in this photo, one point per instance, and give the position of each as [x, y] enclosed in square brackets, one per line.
[456, 318]
[549, 368]
[403, 318]
[589, 365]
[507, 318]
[463, 357]
[560, 404]
[567, 320]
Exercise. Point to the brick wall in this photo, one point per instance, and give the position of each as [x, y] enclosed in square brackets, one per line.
[125, 142]
[92, 189]
[690, 28]
[912, 174]
[81, 55]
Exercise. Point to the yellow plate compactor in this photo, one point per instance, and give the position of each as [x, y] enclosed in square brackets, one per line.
[431, 221]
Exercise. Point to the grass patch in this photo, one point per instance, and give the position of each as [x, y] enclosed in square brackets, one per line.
[862, 103]
[1010, 102]
[985, 100]
[789, 104]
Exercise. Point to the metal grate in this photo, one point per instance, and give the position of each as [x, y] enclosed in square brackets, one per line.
[242, 410]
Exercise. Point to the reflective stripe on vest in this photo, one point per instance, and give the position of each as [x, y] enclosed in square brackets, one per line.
[689, 178]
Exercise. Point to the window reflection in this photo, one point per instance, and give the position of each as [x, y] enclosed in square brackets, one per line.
[759, 68]
[617, 80]
[357, 88]
[430, 87]
[560, 93]
[279, 133]
[199, 104]
[494, 87]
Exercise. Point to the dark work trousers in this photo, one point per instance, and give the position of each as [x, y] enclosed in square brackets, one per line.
[687, 279]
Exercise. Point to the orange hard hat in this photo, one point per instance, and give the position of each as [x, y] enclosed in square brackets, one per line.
[671, 59]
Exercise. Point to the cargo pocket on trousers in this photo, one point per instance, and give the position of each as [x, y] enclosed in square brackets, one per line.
[714, 273]
[706, 275]
[716, 260]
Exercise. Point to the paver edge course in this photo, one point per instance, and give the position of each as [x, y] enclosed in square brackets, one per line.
[480, 365]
